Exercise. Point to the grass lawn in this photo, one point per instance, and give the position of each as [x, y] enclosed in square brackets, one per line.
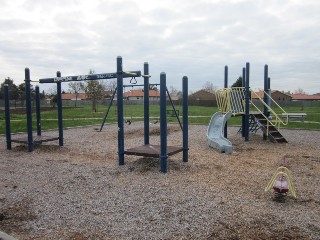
[85, 116]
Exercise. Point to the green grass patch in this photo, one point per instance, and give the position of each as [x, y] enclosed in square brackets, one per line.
[83, 116]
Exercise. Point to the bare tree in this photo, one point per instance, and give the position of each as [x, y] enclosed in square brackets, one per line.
[76, 87]
[175, 92]
[299, 91]
[94, 90]
[209, 87]
[111, 85]
[52, 92]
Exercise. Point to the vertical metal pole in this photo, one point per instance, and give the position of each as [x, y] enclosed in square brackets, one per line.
[247, 99]
[7, 114]
[28, 109]
[243, 115]
[59, 104]
[163, 124]
[185, 118]
[226, 86]
[38, 111]
[146, 103]
[265, 96]
[120, 111]
[269, 92]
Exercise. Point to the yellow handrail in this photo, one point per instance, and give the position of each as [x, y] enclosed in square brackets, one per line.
[275, 122]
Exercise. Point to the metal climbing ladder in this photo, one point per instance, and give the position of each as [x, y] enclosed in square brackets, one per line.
[270, 130]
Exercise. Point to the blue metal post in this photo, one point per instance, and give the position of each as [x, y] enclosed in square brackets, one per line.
[226, 86]
[7, 114]
[265, 96]
[185, 118]
[28, 109]
[269, 92]
[38, 111]
[59, 104]
[243, 115]
[163, 124]
[120, 111]
[146, 104]
[247, 106]
[266, 90]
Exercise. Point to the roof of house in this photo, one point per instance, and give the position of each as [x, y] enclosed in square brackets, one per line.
[68, 96]
[299, 96]
[261, 94]
[202, 94]
[140, 93]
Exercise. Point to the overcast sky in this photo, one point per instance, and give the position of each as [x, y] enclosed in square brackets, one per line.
[179, 37]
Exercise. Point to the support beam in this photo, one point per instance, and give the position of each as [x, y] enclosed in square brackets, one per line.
[247, 99]
[243, 116]
[226, 86]
[163, 124]
[146, 104]
[28, 109]
[7, 114]
[59, 104]
[265, 96]
[38, 111]
[120, 111]
[185, 118]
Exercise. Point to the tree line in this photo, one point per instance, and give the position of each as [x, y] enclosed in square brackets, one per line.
[17, 92]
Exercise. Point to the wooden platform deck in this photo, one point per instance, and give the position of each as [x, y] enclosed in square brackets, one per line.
[152, 150]
[36, 139]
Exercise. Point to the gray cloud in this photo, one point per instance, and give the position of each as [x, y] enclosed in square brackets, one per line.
[179, 37]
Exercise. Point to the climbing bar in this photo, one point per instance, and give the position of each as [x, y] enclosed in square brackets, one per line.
[89, 77]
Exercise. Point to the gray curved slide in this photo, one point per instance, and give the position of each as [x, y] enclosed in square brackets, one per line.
[215, 132]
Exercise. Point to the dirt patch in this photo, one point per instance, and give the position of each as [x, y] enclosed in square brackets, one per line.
[80, 192]
[14, 217]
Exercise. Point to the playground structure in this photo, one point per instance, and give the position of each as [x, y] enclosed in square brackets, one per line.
[161, 151]
[237, 102]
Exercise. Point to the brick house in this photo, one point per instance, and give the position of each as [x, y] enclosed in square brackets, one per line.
[202, 95]
[73, 96]
[275, 95]
[139, 94]
[305, 97]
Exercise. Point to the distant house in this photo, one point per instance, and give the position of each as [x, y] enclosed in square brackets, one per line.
[73, 96]
[202, 98]
[305, 97]
[202, 95]
[275, 95]
[139, 94]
